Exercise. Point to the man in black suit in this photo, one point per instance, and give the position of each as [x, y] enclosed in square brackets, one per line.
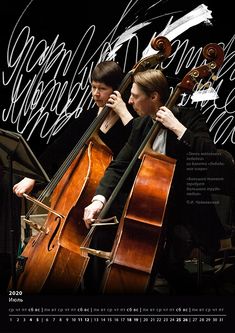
[184, 135]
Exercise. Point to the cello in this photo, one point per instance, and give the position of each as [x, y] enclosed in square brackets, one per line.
[132, 263]
[52, 260]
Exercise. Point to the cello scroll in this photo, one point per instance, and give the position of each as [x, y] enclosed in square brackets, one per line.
[164, 48]
[199, 77]
[212, 52]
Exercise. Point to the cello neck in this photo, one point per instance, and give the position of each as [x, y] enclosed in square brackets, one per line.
[83, 142]
[145, 147]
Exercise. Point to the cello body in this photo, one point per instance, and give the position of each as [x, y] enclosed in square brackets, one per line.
[140, 231]
[136, 251]
[54, 261]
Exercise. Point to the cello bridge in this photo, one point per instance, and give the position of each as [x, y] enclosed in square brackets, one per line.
[36, 226]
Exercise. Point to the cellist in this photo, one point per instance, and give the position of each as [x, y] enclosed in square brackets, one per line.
[189, 223]
[105, 79]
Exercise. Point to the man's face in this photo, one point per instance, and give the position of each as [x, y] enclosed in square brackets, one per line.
[100, 93]
[141, 103]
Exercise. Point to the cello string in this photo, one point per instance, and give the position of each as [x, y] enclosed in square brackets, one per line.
[81, 143]
[68, 161]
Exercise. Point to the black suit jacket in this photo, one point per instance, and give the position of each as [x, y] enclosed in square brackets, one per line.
[199, 215]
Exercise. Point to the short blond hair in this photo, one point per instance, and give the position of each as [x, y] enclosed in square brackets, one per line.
[153, 80]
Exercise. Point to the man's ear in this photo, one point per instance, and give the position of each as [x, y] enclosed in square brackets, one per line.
[155, 96]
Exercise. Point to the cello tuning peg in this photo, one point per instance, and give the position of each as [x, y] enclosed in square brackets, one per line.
[214, 77]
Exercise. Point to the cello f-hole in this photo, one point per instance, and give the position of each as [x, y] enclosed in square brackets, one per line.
[50, 245]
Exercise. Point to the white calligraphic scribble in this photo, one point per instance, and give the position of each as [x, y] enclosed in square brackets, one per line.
[204, 95]
[50, 83]
[39, 71]
[172, 30]
[222, 111]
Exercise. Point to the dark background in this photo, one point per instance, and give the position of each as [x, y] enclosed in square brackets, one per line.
[69, 21]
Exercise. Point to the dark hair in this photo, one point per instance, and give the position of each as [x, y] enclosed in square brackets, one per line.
[109, 73]
[153, 80]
